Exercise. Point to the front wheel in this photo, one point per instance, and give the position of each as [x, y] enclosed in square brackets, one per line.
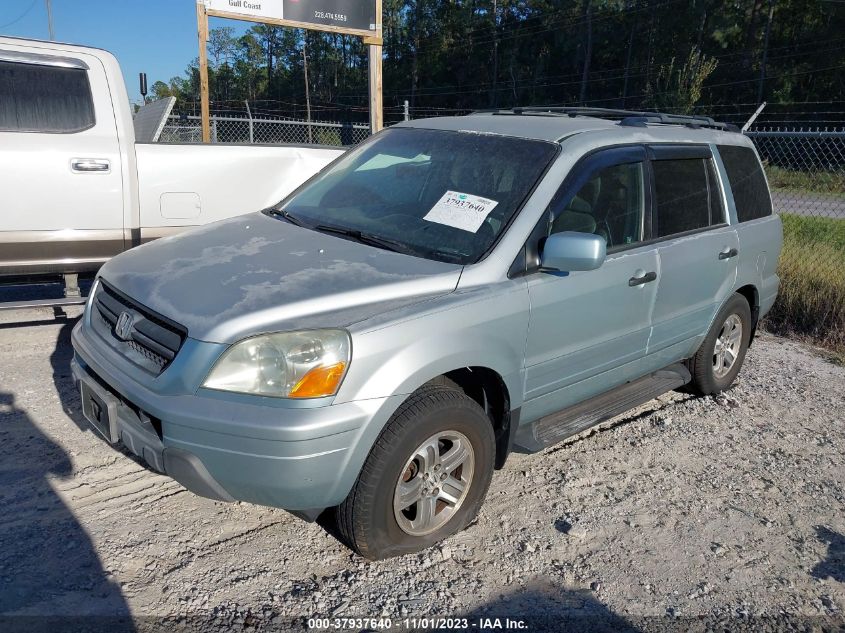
[719, 358]
[425, 477]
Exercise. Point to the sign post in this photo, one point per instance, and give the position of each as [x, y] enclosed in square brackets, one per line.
[375, 58]
[202, 32]
[361, 18]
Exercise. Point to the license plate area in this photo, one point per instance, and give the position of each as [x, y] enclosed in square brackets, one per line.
[100, 409]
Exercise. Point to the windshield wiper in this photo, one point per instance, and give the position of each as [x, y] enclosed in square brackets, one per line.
[290, 217]
[365, 238]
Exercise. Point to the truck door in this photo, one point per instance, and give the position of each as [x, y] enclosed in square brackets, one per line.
[697, 248]
[60, 167]
[589, 330]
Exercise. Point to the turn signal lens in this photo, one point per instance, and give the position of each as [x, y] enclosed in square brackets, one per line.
[320, 381]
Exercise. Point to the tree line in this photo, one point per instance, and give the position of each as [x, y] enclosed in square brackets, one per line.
[674, 55]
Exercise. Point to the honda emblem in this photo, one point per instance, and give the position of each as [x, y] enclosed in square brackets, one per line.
[123, 327]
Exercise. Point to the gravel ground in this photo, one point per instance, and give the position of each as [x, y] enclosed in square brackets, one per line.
[687, 514]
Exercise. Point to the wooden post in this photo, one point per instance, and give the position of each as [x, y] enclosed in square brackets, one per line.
[307, 89]
[202, 31]
[375, 76]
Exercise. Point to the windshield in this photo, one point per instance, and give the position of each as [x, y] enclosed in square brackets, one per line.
[437, 194]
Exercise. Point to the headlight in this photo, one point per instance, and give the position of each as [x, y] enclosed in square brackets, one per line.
[308, 364]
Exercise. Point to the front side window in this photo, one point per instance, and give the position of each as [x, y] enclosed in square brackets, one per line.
[686, 196]
[443, 195]
[610, 204]
[748, 183]
[35, 98]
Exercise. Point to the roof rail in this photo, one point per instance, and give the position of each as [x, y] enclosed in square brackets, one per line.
[634, 118]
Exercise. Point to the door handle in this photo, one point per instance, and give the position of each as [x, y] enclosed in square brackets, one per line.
[728, 253]
[100, 165]
[642, 279]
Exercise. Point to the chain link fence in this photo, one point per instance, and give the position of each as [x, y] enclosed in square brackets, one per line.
[238, 129]
[806, 172]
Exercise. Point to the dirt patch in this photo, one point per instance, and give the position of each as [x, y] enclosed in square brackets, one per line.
[685, 511]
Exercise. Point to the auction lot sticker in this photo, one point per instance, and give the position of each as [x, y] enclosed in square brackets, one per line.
[461, 210]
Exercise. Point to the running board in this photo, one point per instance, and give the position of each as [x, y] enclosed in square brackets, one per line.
[73, 295]
[43, 303]
[570, 421]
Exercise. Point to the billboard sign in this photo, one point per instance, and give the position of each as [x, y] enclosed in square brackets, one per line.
[359, 15]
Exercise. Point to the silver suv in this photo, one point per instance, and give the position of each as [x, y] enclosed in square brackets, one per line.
[374, 346]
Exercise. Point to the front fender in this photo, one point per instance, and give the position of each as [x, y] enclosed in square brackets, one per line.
[483, 327]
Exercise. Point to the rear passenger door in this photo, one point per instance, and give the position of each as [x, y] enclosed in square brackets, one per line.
[697, 250]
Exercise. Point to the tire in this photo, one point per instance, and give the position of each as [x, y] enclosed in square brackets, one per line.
[709, 367]
[446, 421]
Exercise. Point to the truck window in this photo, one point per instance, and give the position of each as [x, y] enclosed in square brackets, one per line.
[686, 196]
[38, 98]
[748, 183]
[610, 204]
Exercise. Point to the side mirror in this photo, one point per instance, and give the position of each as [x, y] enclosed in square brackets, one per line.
[568, 251]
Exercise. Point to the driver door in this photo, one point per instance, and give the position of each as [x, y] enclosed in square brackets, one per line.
[589, 330]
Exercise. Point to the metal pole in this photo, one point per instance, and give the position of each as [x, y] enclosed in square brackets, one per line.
[50, 19]
[407, 111]
[251, 125]
[753, 118]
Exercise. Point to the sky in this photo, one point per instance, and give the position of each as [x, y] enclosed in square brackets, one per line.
[158, 37]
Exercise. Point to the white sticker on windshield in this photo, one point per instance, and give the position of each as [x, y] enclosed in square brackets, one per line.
[461, 210]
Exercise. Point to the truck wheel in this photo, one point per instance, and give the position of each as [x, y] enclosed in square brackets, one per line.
[425, 477]
[719, 359]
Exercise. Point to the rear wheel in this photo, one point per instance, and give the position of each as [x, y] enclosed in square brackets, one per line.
[719, 358]
[425, 477]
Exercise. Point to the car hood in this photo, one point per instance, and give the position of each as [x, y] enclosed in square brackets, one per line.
[255, 273]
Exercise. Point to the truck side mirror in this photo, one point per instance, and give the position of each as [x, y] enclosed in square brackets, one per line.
[569, 251]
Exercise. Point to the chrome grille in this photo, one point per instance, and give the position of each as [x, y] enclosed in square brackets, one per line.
[147, 338]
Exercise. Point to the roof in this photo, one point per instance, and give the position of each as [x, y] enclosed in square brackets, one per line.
[9, 39]
[556, 126]
[543, 128]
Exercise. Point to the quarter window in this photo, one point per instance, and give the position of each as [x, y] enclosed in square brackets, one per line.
[39, 98]
[751, 194]
[610, 204]
[686, 196]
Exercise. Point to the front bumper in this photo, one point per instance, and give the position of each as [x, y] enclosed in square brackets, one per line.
[302, 458]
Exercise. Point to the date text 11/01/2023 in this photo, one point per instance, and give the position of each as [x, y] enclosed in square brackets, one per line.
[438, 624]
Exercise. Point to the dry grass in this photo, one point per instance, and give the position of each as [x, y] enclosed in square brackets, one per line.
[829, 182]
[811, 302]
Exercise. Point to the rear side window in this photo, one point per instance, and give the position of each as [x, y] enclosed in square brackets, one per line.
[751, 194]
[39, 98]
[686, 196]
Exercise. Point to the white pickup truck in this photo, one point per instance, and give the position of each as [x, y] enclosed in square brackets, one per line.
[76, 186]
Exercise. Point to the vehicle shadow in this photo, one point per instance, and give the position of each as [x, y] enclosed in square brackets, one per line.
[833, 566]
[49, 568]
[63, 377]
[548, 608]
